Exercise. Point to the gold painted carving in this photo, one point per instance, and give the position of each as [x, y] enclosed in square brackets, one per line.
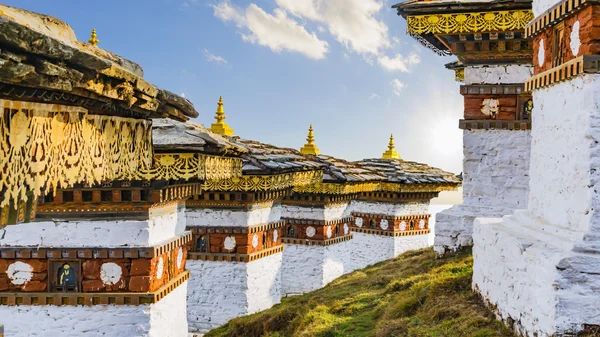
[49, 146]
[191, 166]
[264, 183]
[469, 22]
[331, 188]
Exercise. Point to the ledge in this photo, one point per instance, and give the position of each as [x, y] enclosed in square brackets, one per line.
[390, 233]
[588, 64]
[234, 257]
[489, 124]
[316, 222]
[390, 217]
[89, 299]
[93, 253]
[307, 242]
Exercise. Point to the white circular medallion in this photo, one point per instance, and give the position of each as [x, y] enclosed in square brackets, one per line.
[359, 222]
[311, 231]
[328, 232]
[384, 224]
[255, 241]
[346, 229]
[403, 225]
[541, 53]
[110, 273]
[421, 224]
[179, 258]
[229, 243]
[575, 42]
[19, 273]
[160, 268]
[275, 235]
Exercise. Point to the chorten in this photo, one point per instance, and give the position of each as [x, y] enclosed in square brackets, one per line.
[220, 126]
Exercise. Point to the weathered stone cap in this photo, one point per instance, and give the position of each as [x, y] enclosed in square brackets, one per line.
[170, 136]
[262, 158]
[408, 172]
[39, 51]
[343, 171]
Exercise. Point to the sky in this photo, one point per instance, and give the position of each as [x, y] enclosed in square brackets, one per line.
[345, 66]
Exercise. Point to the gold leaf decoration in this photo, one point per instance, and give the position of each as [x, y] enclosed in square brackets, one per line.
[264, 183]
[188, 166]
[469, 22]
[49, 146]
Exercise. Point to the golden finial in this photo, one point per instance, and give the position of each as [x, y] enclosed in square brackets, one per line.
[310, 147]
[93, 39]
[391, 151]
[220, 126]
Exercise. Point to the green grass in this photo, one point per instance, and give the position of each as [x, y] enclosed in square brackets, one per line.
[414, 294]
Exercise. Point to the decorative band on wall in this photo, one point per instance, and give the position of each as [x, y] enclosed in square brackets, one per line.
[492, 89]
[317, 222]
[236, 230]
[327, 242]
[487, 124]
[390, 233]
[588, 64]
[463, 23]
[555, 14]
[89, 299]
[93, 253]
[390, 217]
[234, 257]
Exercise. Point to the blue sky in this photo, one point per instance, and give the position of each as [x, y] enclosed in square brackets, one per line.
[346, 66]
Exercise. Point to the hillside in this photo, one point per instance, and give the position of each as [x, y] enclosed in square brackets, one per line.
[412, 295]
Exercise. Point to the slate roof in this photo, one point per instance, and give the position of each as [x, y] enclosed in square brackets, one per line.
[41, 59]
[340, 171]
[409, 172]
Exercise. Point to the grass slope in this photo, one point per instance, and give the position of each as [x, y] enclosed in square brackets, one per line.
[414, 294]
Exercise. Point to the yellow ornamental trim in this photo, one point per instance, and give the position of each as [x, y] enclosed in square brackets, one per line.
[264, 183]
[186, 166]
[402, 188]
[51, 146]
[331, 188]
[462, 23]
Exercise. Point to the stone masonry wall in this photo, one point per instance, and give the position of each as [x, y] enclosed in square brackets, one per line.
[220, 291]
[165, 318]
[495, 182]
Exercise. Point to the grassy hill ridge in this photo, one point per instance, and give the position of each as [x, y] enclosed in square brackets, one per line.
[414, 294]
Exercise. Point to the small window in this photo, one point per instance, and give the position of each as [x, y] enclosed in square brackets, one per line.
[372, 224]
[201, 245]
[291, 232]
[558, 44]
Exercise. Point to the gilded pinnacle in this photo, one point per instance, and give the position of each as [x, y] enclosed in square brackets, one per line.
[310, 147]
[220, 126]
[93, 38]
[391, 151]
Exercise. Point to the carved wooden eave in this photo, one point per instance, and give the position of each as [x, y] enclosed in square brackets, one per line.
[42, 53]
[475, 31]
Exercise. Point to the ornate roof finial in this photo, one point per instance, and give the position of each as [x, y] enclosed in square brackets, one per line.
[220, 126]
[310, 147]
[93, 38]
[391, 151]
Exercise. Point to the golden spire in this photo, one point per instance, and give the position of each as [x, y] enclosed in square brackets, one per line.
[310, 147]
[391, 151]
[220, 126]
[93, 38]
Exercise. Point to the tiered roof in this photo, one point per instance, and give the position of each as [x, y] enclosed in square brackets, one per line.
[409, 172]
[42, 60]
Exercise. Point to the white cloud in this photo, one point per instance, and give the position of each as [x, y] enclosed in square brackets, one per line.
[397, 86]
[374, 96]
[351, 22]
[399, 62]
[210, 57]
[276, 31]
